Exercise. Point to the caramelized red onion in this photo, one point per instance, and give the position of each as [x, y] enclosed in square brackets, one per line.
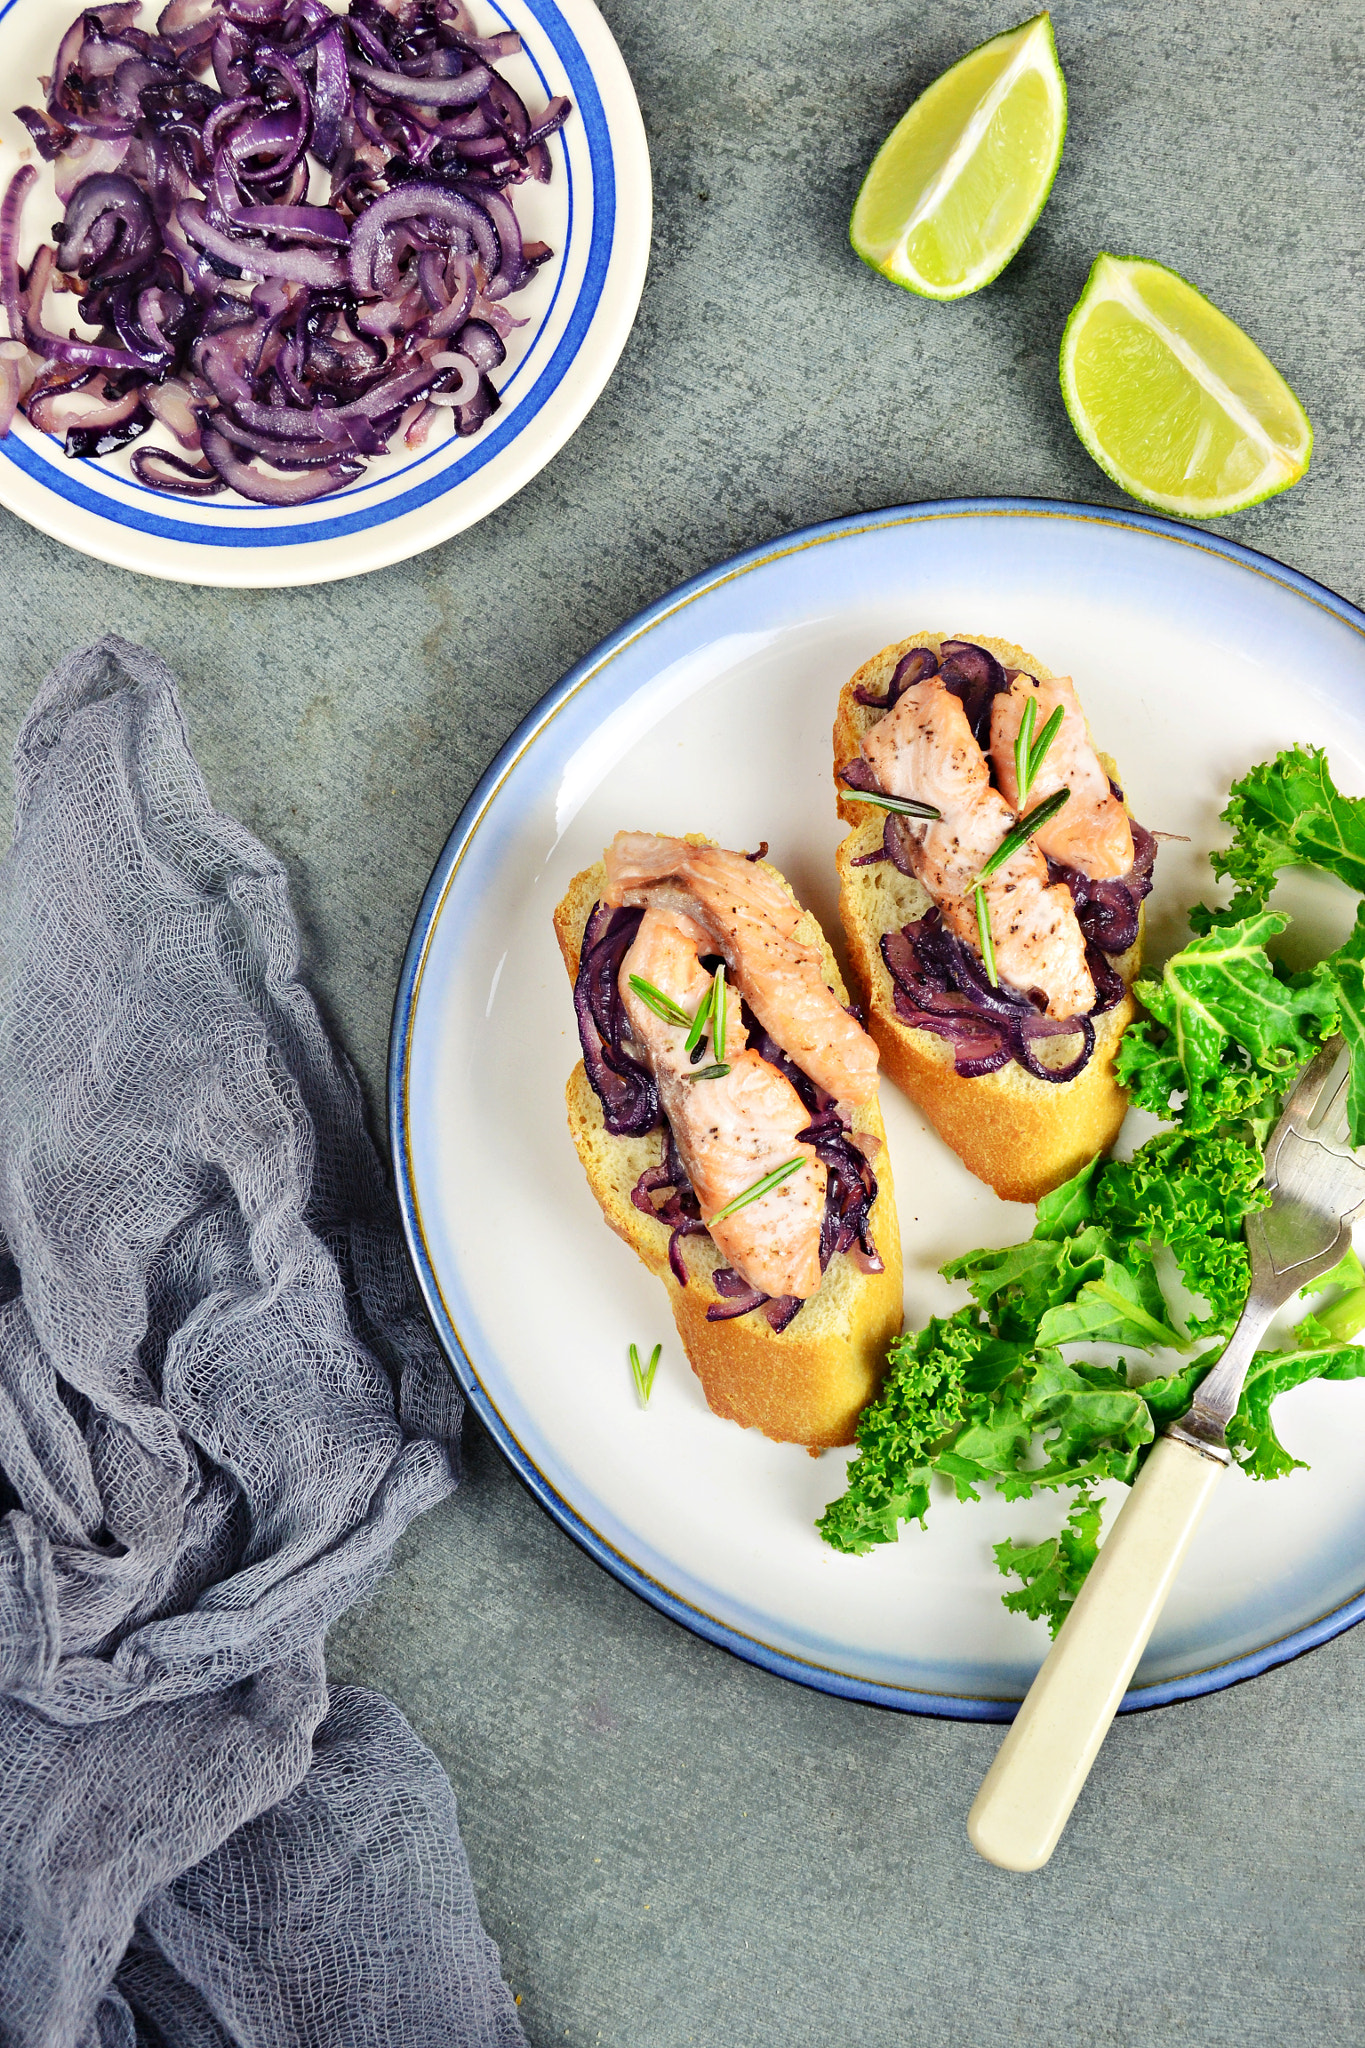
[738, 1298]
[307, 329]
[679, 1209]
[1107, 910]
[624, 1086]
[941, 986]
[167, 472]
[911, 668]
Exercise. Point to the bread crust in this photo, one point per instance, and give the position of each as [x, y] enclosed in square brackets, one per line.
[1020, 1135]
[808, 1384]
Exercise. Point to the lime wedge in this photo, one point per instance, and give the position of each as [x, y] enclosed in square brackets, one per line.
[960, 180]
[1174, 402]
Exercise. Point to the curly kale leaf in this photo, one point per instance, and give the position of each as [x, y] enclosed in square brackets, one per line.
[1084, 1417]
[1065, 1289]
[971, 1406]
[1342, 974]
[1288, 813]
[1053, 1572]
[921, 1401]
[1251, 1434]
[1193, 1195]
[1231, 1030]
[1343, 1317]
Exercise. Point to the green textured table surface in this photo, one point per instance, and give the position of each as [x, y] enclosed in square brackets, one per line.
[669, 1846]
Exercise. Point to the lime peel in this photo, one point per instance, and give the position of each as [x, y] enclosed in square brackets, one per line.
[906, 190]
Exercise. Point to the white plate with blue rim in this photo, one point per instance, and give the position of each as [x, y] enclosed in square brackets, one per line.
[711, 712]
[595, 214]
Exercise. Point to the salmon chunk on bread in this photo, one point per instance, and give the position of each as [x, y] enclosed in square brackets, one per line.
[997, 999]
[725, 1112]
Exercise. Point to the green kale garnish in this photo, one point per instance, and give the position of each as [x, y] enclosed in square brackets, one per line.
[1228, 1031]
[1053, 1571]
[1290, 813]
[920, 1402]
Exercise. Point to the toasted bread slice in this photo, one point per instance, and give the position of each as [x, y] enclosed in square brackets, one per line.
[808, 1384]
[1021, 1135]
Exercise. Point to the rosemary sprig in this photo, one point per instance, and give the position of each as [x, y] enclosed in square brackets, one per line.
[1021, 833]
[643, 1375]
[1028, 757]
[983, 926]
[760, 1187]
[717, 1072]
[719, 1008]
[906, 806]
[662, 1005]
[694, 1036]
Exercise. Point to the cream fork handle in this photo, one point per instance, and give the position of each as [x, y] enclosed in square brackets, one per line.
[1045, 1758]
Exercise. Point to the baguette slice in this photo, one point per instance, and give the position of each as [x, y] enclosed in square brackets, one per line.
[1021, 1135]
[809, 1384]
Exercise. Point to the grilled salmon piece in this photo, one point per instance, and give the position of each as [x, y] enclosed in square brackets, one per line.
[925, 748]
[729, 1132]
[752, 922]
[1091, 833]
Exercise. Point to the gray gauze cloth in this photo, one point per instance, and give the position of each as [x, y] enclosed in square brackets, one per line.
[219, 1406]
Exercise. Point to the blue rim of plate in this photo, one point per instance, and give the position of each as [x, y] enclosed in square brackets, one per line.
[947, 1706]
[352, 517]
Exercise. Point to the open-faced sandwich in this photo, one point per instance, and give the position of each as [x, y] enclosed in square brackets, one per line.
[991, 891]
[725, 1111]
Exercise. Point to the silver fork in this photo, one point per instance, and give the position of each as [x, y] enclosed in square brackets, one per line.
[1317, 1185]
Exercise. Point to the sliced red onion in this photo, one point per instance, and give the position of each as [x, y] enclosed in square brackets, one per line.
[467, 387]
[433, 205]
[482, 345]
[679, 1208]
[84, 442]
[61, 348]
[858, 774]
[1107, 910]
[171, 404]
[257, 258]
[515, 267]
[426, 92]
[187, 23]
[977, 678]
[911, 668]
[61, 408]
[178, 199]
[738, 1296]
[941, 986]
[389, 396]
[554, 117]
[510, 109]
[331, 96]
[294, 454]
[50, 137]
[110, 230]
[417, 423]
[316, 224]
[295, 488]
[11, 283]
[88, 156]
[625, 1088]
